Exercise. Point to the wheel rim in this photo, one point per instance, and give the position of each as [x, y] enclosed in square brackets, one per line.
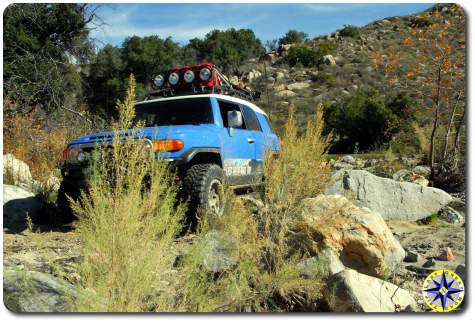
[216, 197]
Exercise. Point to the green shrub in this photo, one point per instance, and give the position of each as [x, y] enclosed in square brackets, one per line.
[422, 22]
[324, 78]
[350, 31]
[308, 56]
[365, 121]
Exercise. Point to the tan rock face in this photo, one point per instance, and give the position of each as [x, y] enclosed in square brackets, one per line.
[351, 291]
[360, 236]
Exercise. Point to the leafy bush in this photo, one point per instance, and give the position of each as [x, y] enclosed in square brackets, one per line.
[365, 121]
[308, 56]
[422, 22]
[324, 78]
[350, 31]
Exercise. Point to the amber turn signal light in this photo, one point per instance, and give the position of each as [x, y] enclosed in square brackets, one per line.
[167, 145]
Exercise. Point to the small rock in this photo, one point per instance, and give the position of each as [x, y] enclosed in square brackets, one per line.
[450, 215]
[234, 80]
[338, 165]
[329, 60]
[403, 175]
[286, 93]
[429, 263]
[421, 181]
[349, 159]
[219, 252]
[298, 86]
[28, 291]
[460, 271]
[411, 256]
[279, 75]
[421, 170]
[447, 255]
[325, 264]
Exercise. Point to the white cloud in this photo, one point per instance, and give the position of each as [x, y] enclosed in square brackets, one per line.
[118, 26]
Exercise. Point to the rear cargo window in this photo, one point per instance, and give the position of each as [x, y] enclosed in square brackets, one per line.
[175, 112]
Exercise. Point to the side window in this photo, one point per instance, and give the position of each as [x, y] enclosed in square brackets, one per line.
[268, 123]
[251, 119]
[224, 108]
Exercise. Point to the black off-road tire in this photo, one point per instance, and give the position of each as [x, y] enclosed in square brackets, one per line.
[199, 186]
[67, 188]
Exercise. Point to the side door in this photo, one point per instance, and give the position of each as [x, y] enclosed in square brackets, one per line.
[256, 134]
[238, 147]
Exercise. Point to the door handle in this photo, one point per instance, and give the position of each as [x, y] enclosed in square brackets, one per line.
[250, 140]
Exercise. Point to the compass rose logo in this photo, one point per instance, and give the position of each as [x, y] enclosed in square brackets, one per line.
[443, 290]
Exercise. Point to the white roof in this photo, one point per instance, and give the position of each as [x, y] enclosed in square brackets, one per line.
[219, 96]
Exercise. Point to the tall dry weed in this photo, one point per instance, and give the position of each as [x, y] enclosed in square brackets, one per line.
[261, 270]
[127, 222]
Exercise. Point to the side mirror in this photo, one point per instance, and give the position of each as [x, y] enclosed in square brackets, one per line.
[234, 119]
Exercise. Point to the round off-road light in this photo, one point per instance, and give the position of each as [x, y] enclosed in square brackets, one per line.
[173, 78]
[189, 76]
[158, 81]
[205, 74]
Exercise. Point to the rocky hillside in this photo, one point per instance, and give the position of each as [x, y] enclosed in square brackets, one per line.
[346, 69]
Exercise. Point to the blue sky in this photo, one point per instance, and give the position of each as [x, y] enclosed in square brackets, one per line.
[269, 21]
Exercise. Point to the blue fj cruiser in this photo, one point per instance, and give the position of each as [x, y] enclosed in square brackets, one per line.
[209, 138]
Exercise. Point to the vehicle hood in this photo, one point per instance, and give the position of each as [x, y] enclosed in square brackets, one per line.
[196, 132]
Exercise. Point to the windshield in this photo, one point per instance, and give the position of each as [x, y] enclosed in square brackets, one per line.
[175, 112]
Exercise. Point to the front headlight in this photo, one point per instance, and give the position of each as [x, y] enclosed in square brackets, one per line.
[73, 154]
[173, 78]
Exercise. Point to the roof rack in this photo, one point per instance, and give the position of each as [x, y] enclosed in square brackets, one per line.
[183, 81]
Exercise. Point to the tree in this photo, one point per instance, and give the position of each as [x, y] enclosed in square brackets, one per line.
[44, 47]
[431, 66]
[227, 49]
[109, 69]
[293, 37]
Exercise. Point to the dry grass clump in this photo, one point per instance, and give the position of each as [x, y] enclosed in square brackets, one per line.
[127, 222]
[31, 141]
[262, 270]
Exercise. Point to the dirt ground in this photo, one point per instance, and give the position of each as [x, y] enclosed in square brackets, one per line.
[430, 242]
[56, 250]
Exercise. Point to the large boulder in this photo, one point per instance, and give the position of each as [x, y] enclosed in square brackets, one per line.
[19, 203]
[350, 291]
[28, 291]
[393, 200]
[359, 236]
[15, 170]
